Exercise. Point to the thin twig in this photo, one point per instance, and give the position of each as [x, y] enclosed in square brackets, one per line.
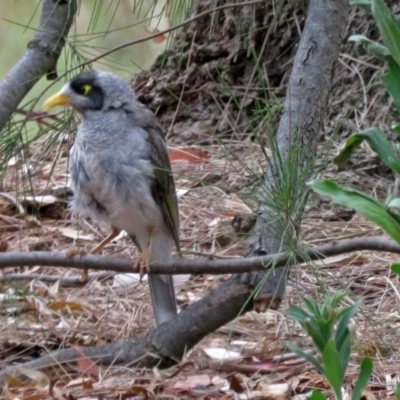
[65, 281]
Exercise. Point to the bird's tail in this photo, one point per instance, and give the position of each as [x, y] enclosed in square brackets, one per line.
[162, 286]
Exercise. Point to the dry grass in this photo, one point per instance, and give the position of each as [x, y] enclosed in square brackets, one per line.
[37, 317]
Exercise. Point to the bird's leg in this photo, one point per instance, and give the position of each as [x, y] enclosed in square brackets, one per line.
[98, 249]
[143, 261]
[105, 241]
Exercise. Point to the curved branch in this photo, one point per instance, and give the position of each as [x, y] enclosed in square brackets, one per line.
[176, 266]
[40, 57]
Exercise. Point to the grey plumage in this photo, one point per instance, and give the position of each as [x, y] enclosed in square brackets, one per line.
[120, 171]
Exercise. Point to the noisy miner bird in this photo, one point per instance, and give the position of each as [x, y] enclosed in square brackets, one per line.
[121, 173]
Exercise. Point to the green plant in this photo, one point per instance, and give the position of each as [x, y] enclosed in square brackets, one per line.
[328, 329]
[382, 215]
[386, 215]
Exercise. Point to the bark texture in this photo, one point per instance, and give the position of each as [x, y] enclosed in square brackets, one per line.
[297, 141]
[40, 57]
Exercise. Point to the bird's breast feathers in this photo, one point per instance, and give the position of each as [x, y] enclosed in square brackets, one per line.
[111, 184]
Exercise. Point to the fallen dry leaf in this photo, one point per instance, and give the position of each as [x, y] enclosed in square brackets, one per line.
[192, 382]
[72, 233]
[220, 353]
[189, 155]
[38, 200]
[59, 305]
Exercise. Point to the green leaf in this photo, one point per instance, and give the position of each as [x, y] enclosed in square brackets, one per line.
[379, 144]
[334, 300]
[344, 349]
[372, 47]
[396, 390]
[332, 368]
[299, 315]
[345, 316]
[391, 80]
[316, 395]
[325, 328]
[395, 268]
[347, 149]
[311, 306]
[307, 356]
[363, 378]
[388, 26]
[362, 203]
[394, 215]
[313, 329]
[393, 202]
[396, 128]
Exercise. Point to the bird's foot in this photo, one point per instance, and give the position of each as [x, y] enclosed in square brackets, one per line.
[143, 263]
[74, 251]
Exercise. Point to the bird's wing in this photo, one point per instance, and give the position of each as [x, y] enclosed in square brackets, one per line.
[163, 187]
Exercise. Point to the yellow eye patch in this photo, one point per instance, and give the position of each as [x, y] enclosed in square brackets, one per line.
[86, 89]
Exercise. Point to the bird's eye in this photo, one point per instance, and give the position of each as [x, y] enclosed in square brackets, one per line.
[86, 89]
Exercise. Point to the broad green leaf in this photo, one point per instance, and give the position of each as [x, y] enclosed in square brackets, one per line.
[394, 215]
[388, 27]
[367, 367]
[372, 47]
[391, 80]
[332, 368]
[395, 268]
[316, 395]
[362, 203]
[307, 356]
[345, 316]
[379, 144]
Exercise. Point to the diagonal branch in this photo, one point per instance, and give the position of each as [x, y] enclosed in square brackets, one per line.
[40, 57]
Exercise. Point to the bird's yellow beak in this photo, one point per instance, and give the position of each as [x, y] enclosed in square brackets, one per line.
[58, 99]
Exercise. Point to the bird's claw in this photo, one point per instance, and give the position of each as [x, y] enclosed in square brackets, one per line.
[74, 251]
[143, 263]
